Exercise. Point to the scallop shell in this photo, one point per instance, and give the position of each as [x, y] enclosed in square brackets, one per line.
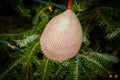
[62, 37]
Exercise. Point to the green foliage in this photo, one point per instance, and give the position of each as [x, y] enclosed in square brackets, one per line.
[9, 69]
[95, 60]
[104, 57]
[96, 63]
[45, 70]
[24, 42]
[80, 5]
[114, 34]
[20, 8]
[93, 65]
[22, 11]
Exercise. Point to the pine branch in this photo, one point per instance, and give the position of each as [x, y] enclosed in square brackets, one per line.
[61, 70]
[110, 8]
[71, 73]
[45, 69]
[27, 72]
[80, 5]
[87, 74]
[104, 57]
[28, 60]
[22, 11]
[82, 67]
[2, 76]
[93, 65]
[40, 14]
[15, 34]
[101, 19]
[28, 57]
[87, 15]
[26, 41]
[77, 72]
[113, 35]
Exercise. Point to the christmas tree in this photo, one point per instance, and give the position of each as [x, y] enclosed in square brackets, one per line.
[22, 22]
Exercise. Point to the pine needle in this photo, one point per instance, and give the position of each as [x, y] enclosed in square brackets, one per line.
[45, 69]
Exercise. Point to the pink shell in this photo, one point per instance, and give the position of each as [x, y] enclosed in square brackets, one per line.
[62, 37]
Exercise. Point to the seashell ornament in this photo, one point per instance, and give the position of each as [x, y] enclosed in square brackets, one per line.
[62, 37]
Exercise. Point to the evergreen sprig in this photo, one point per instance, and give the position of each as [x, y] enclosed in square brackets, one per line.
[3, 75]
[26, 41]
[46, 69]
[113, 35]
[104, 57]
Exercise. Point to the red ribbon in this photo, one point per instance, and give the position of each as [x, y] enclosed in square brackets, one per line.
[69, 4]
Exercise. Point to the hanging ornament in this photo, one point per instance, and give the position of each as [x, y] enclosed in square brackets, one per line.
[62, 36]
